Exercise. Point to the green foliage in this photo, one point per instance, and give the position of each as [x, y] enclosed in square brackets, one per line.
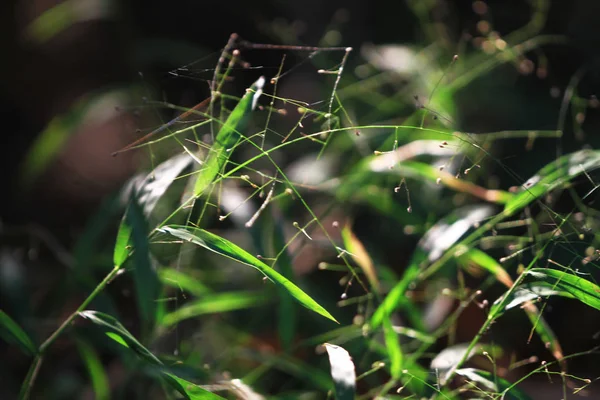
[395, 214]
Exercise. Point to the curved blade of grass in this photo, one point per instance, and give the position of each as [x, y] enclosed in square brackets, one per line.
[228, 136]
[550, 282]
[148, 191]
[113, 329]
[481, 259]
[491, 382]
[360, 256]
[147, 285]
[450, 357]
[342, 372]
[182, 281]
[397, 162]
[150, 188]
[392, 344]
[215, 303]
[11, 332]
[540, 326]
[117, 332]
[436, 241]
[552, 176]
[190, 390]
[532, 291]
[94, 367]
[230, 250]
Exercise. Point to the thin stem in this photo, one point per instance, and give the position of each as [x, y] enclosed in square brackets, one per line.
[30, 378]
[37, 362]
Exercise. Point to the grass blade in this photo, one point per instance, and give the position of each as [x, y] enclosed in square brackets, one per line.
[342, 372]
[215, 303]
[360, 256]
[182, 281]
[550, 282]
[228, 136]
[147, 285]
[448, 358]
[552, 176]
[117, 332]
[522, 296]
[148, 191]
[230, 250]
[190, 390]
[95, 369]
[392, 343]
[432, 246]
[11, 332]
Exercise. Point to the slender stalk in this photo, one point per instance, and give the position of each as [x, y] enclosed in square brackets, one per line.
[37, 362]
[30, 378]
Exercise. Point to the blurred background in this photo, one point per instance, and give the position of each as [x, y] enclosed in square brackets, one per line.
[81, 79]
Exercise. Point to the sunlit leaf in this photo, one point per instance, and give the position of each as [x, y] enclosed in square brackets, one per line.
[342, 371]
[116, 331]
[521, 295]
[230, 250]
[360, 256]
[552, 176]
[111, 325]
[227, 138]
[484, 261]
[147, 190]
[439, 238]
[552, 282]
[448, 358]
[214, 303]
[13, 333]
[392, 344]
[484, 380]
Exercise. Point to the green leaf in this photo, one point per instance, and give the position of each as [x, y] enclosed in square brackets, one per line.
[121, 251]
[552, 176]
[95, 369]
[446, 360]
[481, 259]
[552, 282]
[342, 372]
[228, 249]
[521, 295]
[117, 332]
[396, 163]
[13, 333]
[485, 380]
[182, 281]
[438, 239]
[145, 278]
[148, 190]
[532, 291]
[214, 303]
[392, 343]
[227, 138]
[189, 389]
